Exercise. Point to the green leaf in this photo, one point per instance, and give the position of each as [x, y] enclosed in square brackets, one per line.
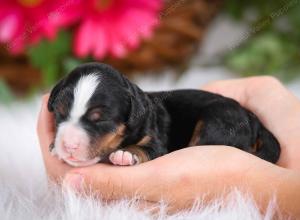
[274, 50]
[6, 94]
[70, 63]
[266, 54]
[48, 56]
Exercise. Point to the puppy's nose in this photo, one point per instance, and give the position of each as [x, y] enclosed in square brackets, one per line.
[71, 138]
[71, 147]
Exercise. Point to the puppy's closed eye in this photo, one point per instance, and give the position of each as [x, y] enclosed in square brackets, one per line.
[94, 115]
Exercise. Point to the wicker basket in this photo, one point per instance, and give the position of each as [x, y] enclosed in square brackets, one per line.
[183, 25]
[18, 73]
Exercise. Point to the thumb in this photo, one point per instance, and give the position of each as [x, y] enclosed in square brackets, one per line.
[110, 182]
[235, 89]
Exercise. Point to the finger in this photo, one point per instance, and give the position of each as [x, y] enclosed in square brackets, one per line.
[45, 125]
[152, 181]
[162, 179]
[235, 89]
[276, 107]
[112, 182]
[46, 131]
[259, 95]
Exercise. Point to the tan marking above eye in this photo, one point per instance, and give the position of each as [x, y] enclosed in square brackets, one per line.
[61, 109]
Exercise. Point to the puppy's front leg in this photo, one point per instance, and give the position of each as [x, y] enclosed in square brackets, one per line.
[129, 156]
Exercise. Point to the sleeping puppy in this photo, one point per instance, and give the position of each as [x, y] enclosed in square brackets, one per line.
[100, 115]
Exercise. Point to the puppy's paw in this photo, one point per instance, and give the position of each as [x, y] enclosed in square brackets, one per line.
[123, 158]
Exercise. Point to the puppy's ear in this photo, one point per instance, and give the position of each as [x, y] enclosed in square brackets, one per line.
[54, 93]
[138, 103]
[137, 111]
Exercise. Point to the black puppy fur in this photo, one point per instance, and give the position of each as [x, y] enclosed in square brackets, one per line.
[167, 121]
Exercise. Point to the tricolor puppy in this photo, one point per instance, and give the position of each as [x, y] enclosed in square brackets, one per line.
[101, 115]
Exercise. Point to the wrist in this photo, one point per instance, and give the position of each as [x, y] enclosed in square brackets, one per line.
[267, 182]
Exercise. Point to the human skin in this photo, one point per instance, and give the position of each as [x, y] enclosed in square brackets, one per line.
[210, 171]
[275, 106]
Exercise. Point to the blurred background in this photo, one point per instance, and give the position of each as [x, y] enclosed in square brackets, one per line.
[159, 44]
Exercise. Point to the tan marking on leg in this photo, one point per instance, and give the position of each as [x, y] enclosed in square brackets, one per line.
[145, 140]
[196, 134]
[138, 151]
[257, 146]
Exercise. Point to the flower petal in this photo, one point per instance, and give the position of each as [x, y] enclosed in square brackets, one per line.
[83, 42]
[100, 42]
[153, 5]
[142, 21]
[117, 47]
[17, 44]
[128, 32]
[9, 27]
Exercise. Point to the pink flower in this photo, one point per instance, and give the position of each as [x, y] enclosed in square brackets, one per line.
[114, 26]
[25, 22]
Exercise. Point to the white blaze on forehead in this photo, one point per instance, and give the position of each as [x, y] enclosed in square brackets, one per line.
[83, 91]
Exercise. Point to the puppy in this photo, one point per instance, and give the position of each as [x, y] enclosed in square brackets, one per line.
[100, 115]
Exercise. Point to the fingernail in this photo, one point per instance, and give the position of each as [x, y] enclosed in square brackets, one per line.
[74, 181]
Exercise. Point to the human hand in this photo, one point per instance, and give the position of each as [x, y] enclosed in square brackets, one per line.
[275, 106]
[153, 180]
[55, 168]
[179, 177]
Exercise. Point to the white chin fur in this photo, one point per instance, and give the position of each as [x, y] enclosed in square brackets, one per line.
[83, 163]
